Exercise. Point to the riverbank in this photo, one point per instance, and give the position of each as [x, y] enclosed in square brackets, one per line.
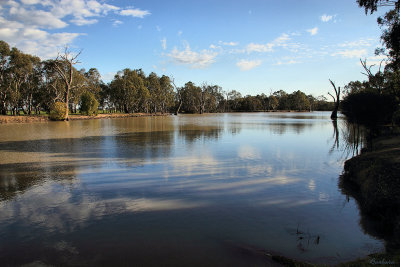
[373, 180]
[43, 118]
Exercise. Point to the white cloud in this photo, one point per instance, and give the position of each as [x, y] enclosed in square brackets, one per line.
[287, 62]
[245, 65]
[26, 24]
[252, 47]
[117, 22]
[80, 21]
[313, 31]
[377, 60]
[280, 41]
[358, 43]
[164, 43]
[326, 18]
[137, 13]
[228, 43]
[180, 33]
[355, 53]
[38, 18]
[194, 59]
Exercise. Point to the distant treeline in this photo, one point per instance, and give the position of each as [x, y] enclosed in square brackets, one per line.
[29, 85]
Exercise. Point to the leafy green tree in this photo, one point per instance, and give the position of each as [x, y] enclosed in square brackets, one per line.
[167, 94]
[57, 112]
[4, 63]
[156, 97]
[88, 104]
[191, 98]
[273, 102]
[299, 101]
[128, 91]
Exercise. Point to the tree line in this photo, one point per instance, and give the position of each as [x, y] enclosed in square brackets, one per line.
[29, 85]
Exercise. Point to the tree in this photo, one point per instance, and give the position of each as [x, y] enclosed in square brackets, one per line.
[191, 98]
[299, 101]
[154, 87]
[64, 66]
[4, 62]
[128, 91]
[272, 102]
[390, 24]
[167, 93]
[88, 104]
[336, 100]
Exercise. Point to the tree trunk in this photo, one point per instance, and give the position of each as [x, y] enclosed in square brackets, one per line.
[179, 107]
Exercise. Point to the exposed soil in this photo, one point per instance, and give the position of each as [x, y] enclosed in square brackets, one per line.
[41, 118]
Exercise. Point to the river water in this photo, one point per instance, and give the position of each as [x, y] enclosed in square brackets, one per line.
[206, 190]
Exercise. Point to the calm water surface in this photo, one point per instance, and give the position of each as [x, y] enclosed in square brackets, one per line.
[208, 190]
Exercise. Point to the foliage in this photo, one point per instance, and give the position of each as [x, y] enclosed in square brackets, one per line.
[390, 24]
[369, 108]
[58, 111]
[89, 104]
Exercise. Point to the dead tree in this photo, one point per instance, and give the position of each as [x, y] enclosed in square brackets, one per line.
[336, 100]
[375, 79]
[64, 65]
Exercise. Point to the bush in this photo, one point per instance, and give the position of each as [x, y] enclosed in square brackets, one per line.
[369, 108]
[57, 111]
[396, 117]
[89, 104]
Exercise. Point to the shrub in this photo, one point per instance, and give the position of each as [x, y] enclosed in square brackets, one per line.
[396, 117]
[57, 111]
[89, 104]
[369, 108]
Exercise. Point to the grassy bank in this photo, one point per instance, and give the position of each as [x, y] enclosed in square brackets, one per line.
[42, 118]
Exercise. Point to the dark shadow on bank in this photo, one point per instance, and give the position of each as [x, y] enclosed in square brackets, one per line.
[372, 178]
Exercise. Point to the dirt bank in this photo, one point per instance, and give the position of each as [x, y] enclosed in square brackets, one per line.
[30, 119]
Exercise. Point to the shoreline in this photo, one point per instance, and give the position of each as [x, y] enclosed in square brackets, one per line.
[7, 119]
[373, 180]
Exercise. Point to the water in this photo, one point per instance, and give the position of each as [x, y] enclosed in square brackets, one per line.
[181, 190]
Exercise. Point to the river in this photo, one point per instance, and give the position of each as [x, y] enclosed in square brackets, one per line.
[183, 190]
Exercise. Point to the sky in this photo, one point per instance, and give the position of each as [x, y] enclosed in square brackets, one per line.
[252, 46]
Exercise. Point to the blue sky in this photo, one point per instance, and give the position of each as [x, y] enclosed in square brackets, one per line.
[252, 46]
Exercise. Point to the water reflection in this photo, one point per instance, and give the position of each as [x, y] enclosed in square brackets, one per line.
[176, 189]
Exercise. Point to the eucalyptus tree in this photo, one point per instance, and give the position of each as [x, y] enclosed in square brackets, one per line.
[154, 87]
[4, 63]
[167, 94]
[233, 98]
[390, 24]
[93, 82]
[21, 79]
[128, 91]
[273, 102]
[191, 98]
[64, 67]
[53, 87]
[299, 101]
